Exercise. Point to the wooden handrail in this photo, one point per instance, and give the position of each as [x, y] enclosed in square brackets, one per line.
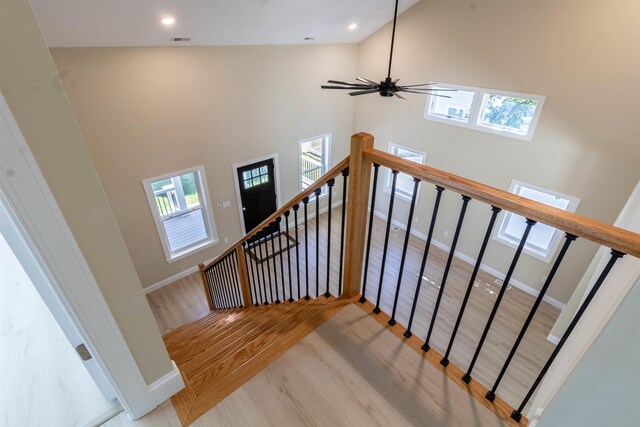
[332, 173]
[604, 234]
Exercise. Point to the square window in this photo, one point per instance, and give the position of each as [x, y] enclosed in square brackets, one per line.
[404, 182]
[181, 210]
[454, 104]
[543, 239]
[314, 160]
[507, 113]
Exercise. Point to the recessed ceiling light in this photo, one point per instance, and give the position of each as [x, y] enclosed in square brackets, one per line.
[353, 26]
[169, 20]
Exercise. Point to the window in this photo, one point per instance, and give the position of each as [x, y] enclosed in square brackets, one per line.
[255, 177]
[404, 182]
[181, 209]
[504, 113]
[455, 107]
[543, 240]
[314, 159]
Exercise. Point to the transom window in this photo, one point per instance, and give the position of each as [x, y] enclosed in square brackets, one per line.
[255, 177]
[404, 182]
[181, 210]
[509, 114]
[543, 239]
[314, 159]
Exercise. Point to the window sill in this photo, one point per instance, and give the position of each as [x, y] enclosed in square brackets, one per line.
[183, 253]
[542, 256]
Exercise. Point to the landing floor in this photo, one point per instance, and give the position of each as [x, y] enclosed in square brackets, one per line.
[351, 371]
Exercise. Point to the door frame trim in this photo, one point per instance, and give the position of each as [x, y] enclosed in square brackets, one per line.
[44, 229]
[276, 172]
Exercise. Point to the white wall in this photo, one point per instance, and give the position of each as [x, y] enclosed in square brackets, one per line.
[604, 390]
[146, 112]
[582, 55]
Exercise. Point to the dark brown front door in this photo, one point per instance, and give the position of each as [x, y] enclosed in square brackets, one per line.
[257, 192]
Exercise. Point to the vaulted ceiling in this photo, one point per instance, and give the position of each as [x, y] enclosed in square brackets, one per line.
[84, 23]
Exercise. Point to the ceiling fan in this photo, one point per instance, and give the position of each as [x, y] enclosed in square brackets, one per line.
[388, 86]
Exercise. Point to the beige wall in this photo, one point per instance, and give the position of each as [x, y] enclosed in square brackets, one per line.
[151, 111]
[30, 85]
[584, 56]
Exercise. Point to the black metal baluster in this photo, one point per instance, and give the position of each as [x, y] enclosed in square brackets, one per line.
[267, 277]
[210, 286]
[236, 276]
[249, 278]
[330, 184]
[279, 222]
[305, 203]
[445, 275]
[273, 260]
[216, 286]
[228, 281]
[416, 181]
[286, 220]
[491, 394]
[317, 194]
[295, 227]
[425, 254]
[476, 268]
[392, 198]
[615, 256]
[345, 174]
[530, 223]
[363, 297]
[223, 294]
[260, 279]
[256, 286]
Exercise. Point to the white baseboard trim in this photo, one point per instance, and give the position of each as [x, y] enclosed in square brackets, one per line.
[168, 385]
[554, 339]
[105, 416]
[518, 284]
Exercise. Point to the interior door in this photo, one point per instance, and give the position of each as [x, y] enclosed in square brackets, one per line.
[42, 282]
[257, 192]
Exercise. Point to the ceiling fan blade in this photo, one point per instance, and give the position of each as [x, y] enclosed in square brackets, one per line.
[362, 79]
[422, 84]
[395, 81]
[363, 92]
[431, 89]
[399, 96]
[348, 83]
[425, 93]
[341, 87]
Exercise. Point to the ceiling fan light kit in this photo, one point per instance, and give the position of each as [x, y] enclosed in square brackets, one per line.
[387, 87]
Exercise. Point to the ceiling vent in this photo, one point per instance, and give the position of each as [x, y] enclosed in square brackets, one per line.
[181, 39]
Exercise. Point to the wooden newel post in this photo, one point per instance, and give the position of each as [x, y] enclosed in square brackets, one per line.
[244, 276]
[357, 201]
[205, 285]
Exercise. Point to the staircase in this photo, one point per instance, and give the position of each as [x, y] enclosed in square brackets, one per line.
[221, 351]
[298, 268]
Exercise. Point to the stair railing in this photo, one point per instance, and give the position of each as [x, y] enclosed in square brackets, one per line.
[258, 269]
[273, 262]
[575, 226]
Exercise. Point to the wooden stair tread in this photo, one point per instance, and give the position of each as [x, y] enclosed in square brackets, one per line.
[199, 340]
[228, 340]
[196, 325]
[220, 359]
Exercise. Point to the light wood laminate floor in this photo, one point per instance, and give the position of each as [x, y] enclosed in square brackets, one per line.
[351, 371]
[184, 301]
